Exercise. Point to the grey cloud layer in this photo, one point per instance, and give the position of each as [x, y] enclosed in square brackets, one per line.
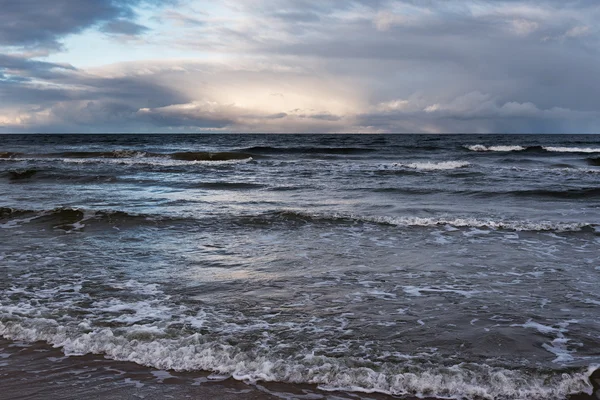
[35, 23]
[409, 66]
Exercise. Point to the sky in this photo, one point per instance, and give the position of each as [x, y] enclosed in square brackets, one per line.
[300, 66]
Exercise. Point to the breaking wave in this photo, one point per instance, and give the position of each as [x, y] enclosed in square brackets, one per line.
[300, 150]
[101, 154]
[75, 219]
[72, 219]
[405, 222]
[510, 148]
[196, 353]
[573, 149]
[133, 157]
[207, 156]
[429, 166]
[482, 148]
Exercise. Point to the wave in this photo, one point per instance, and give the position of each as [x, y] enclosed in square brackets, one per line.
[101, 154]
[131, 157]
[74, 219]
[313, 150]
[531, 149]
[207, 156]
[22, 174]
[197, 353]
[594, 161]
[428, 166]
[580, 193]
[146, 161]
[407, 222]
[227, 185]
[585, 193]
[573, 149]
[8, 155]
[482, 148]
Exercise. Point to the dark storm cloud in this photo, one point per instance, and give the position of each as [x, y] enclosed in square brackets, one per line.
[43, 23]
[23, 69]
[184, 120]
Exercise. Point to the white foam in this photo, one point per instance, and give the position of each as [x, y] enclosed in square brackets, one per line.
[467, 222]
[152, 161]
[16, 223]
[418, 291]
[192, 353]
[573, 149]
[482, 148]
[559, 347]
[539, 327]
[432, 166]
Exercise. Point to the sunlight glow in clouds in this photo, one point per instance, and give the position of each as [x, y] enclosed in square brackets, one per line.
[299, 66]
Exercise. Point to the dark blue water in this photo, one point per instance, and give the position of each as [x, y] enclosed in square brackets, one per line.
[445, 266]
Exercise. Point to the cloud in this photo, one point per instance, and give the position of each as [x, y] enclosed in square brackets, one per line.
[524, 27]
[308, 66]
[578, 31]
[123, 27]
[32, 23]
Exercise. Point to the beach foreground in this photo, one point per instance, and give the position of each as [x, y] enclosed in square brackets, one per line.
[38, 371]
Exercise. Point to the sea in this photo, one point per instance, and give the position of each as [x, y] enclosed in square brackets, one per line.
[300, 266]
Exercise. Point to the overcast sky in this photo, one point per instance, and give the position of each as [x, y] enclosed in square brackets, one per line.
[432, 66]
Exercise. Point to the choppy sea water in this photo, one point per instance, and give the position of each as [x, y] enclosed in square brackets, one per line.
[442, 266]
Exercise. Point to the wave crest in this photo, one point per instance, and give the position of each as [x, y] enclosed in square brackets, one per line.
[511, 148]
[207, 156]
[430, 166]
[468, 222]
[306, 149]
[482, 148]
[572, 149]
[194, 353]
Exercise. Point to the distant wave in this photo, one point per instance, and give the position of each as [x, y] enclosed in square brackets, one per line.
[310, 150]
[573, 149]
[207, 156]
[584, 193]
[571, 194]
[71, 219]
[74, 219]
[482, 148]
[226, 185]
[512, 148]
[428, 166]
[467, 222]
[149, 161]
[594, 161]
[22, 174]
[8, 155]
[100, 154]
[131, 157]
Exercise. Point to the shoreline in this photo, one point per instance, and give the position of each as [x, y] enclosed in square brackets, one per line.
[39, 371]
